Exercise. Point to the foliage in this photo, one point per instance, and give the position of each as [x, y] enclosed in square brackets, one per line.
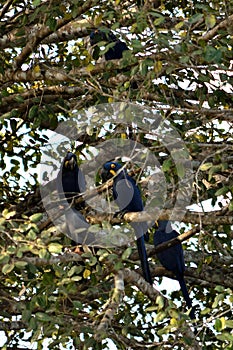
[180, 64]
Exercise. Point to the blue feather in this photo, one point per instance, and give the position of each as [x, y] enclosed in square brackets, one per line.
[128, 198]
[172, 258]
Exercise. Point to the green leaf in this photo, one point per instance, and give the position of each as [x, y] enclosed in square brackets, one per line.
[4, 258]
[32, 235]
[231, 206]
[33, 112]
[212, 55]
[55, 248]
[225, 337]
[218, 325]
[92, 260]
[74, 270]
[51, 23]
[217, 299]
[36, 3]
[206, 311]
[205, 166]
[43, 317]
[159, 20]
[151, 308]
[76, 278]
[118, 265]
[180, 169]
[32, 323]
[144, 66]
[36, 217]
[26, 315]
[212, 170]
[222, 191]
[210, 21]
[196, 18]
[77, 304]
[8, 214]
[43, 253]
[21, 264]
[160, 316]
[167, 164]
[229, 323]
[2, 221]
[7, 268]
[126, 254]
[160, 301]
[136, 44]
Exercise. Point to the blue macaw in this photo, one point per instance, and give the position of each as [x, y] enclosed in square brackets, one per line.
[114, 52]
[72, 179]
[70, 183]
[128, 198]
[172, 258]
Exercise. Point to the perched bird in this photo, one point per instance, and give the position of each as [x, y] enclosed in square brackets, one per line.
[116, 46]
[128, 198]
[173, 258]
[114, 51]
[70, 183]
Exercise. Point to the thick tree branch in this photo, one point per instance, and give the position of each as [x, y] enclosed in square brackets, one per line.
[207, 218]
[228, 22]
[36, 38]
[71, 31]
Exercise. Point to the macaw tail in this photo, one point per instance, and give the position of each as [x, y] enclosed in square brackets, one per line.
[143, 258]
[186, 296]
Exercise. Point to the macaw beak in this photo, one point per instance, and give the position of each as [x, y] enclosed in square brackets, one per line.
[70, 164]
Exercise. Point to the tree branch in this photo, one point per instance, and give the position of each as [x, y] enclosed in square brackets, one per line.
[112, 306]
[42, 33]
[228, 22]
[5, 8]
[189, 217]
[13, 325]
[132, 277]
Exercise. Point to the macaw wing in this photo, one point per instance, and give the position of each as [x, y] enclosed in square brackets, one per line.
[123, 192]
[77, 227]
[171, 258]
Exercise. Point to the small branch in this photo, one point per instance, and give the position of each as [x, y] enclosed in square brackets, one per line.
[10, 326]
[182, 237]
[112, 307]
[188, 333]
[65, 258]
[134, 278]
[211, 275]
[5, 8]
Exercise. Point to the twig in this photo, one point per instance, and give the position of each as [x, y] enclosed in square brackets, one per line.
[112, 306]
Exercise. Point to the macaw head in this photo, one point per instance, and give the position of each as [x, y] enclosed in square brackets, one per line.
[100, 35]
[96, 36]
[109, 170]
[70, 161]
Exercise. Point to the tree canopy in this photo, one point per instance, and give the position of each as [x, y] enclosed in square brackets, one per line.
[176, 75]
